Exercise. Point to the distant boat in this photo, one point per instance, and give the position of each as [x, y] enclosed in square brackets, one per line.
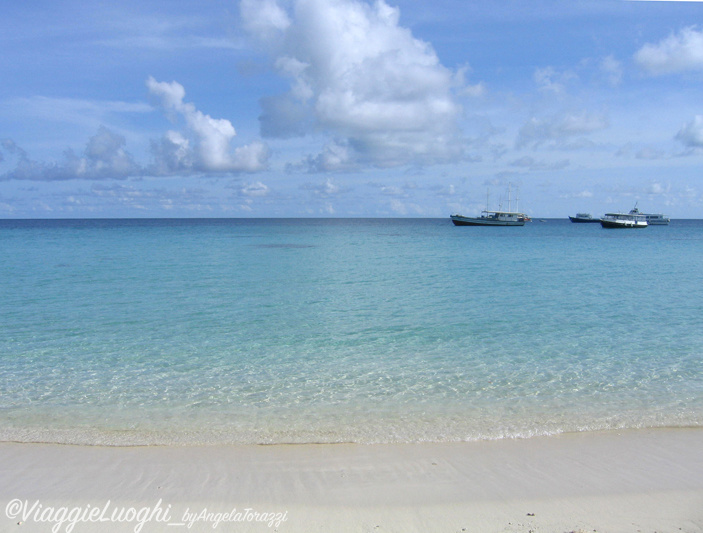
[493, 218]
[583, 218]
[653, 219]
[623, 220]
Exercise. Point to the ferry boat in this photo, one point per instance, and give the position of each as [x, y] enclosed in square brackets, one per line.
[582, 218]
[623, 220]
[493, 218]
[653, 219]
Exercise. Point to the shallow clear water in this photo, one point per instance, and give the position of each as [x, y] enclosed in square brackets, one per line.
[388, 330]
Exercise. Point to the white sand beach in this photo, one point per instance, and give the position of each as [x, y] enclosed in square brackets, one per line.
[618, 481]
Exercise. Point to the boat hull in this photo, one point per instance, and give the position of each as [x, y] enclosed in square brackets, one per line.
[581, 220]
[484, 221]
[625, 224]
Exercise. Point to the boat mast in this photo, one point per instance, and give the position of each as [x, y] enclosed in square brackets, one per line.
[509, 197]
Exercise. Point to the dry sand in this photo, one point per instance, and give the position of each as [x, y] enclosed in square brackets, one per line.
[629, 481]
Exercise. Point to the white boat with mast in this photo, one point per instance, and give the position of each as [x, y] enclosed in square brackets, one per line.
[494, 218]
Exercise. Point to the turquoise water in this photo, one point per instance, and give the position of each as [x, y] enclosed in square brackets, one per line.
[389, 330]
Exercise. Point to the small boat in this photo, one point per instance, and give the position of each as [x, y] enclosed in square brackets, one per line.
[653, 219]
[623, 220]
[583, 218]
[493, 218]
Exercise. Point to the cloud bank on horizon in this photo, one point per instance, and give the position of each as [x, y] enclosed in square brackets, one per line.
[353, 109]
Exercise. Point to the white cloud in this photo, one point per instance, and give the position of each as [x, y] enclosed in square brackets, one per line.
[336, 155]
[104, 157]
[327, 189]
[677, 53]
[556, 129]
[656, 188]
[473, 91]
[257, 189]
[211, 150]
[330, 188]
[251, 157]
[205, 147]
[691, 133]
[360, 78]
[264, 17]
[463, 88]
[172, 154]
[550, 80]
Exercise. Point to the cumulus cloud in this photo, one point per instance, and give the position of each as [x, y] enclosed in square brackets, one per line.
[337, 155]
[104, 157]
[264, 17]
[677, 53]
[556, 129]
[172, 154]
[257, 189]
[204, 147]
[360, 78]
[210, 150]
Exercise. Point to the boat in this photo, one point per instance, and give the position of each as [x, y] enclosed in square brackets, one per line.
[582, 218]
[493, 218]
[653, 219]
[623, 220]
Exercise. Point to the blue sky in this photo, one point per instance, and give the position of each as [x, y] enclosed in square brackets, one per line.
[309, 108]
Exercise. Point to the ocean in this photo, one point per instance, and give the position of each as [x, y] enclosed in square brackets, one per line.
[208, 331]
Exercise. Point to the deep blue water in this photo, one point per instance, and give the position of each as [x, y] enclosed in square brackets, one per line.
[328, 330]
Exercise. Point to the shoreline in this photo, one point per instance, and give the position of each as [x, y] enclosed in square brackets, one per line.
[160, 440]
[629, 480]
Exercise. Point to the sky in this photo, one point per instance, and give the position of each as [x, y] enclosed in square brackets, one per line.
[350, 108]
